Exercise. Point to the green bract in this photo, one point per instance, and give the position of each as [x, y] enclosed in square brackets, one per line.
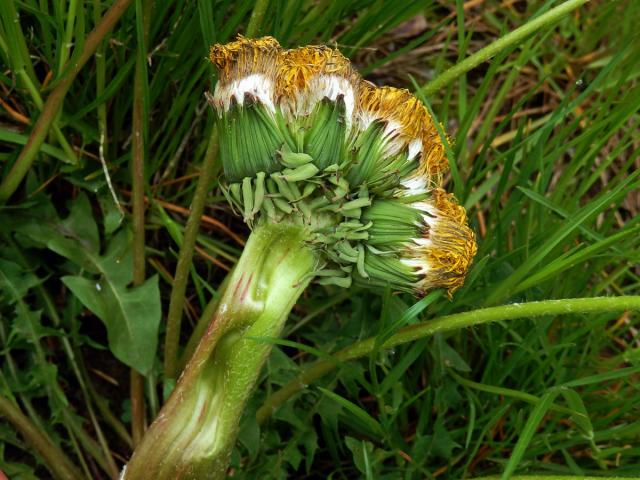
[304, 140]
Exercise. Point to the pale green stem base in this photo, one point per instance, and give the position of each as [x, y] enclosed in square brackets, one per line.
[196, 430]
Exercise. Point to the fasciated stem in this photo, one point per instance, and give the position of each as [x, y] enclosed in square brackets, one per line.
[196, 430]
[203, 323]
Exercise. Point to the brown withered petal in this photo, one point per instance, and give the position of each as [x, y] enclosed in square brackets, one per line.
[298, 66]
[414, 120]
[244, 57]
[304, 74]
[450, 255]
[444, 254]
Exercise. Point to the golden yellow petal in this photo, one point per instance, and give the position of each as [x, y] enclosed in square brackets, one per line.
[414, 119]
[452, 245]
[449, 256]
[244, 56]
[298, 66]
[448, 206]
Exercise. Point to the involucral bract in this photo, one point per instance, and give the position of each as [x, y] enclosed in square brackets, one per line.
[304, 139]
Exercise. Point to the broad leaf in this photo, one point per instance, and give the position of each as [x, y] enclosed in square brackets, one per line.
[131, 314]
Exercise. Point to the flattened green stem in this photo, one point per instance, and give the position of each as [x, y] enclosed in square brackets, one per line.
[203, 323]
[55, 100]
[55, 459]
[176, 303]
[196, 430]
[511, 38]
[447, 324]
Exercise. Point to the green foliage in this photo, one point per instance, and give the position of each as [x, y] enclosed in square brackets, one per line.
[131, 315]
[544, 150]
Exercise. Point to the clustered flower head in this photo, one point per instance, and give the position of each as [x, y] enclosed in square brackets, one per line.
[304, 139]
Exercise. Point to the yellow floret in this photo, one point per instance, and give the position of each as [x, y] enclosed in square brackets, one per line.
[399, 105]
[244, 57]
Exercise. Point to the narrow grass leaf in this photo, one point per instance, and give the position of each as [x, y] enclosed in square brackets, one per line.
[528, 432]
[367, 420]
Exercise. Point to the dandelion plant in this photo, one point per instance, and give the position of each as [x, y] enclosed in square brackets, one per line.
[113, 215]
[340, 182]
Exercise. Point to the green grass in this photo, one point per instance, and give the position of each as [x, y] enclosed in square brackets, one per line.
[544, 155]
